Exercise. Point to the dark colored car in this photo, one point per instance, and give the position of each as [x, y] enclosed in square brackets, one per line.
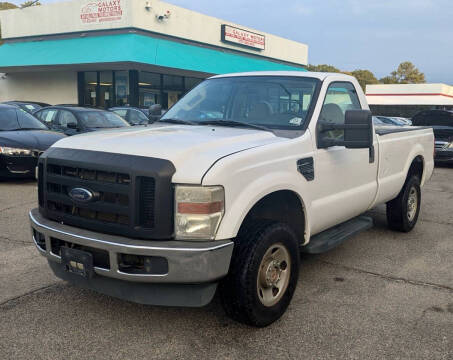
[76, 120]
[442, 123]
[22, 139]
[28, 106]
[133, 115]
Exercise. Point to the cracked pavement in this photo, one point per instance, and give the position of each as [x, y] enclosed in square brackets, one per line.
[379, 295]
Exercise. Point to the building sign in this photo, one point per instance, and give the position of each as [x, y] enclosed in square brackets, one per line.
[102, 11]
[241, 37]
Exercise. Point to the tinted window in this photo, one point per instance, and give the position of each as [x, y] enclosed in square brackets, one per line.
[28, 121]
[273, 101]
[121, 112]
[101, 119]
[340, 97]
[48, 116]
[137, 117]
[66, 117]
[30, 107]
[8, 119]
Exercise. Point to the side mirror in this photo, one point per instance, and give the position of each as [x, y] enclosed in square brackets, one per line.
[358, 131]
[155, 110]
[72, 126]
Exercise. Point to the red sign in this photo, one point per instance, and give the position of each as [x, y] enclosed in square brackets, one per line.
[243, 37]
[101, 11]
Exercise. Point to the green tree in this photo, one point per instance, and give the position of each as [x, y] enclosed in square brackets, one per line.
[323, 68]
[364, 77]
[30, 3]
[406, 73]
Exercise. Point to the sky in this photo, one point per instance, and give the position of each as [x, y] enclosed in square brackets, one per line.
[351, 34]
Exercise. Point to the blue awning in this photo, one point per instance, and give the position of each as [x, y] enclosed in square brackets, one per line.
[131, 48]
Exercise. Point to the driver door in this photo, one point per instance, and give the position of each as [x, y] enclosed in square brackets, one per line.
[347, 178]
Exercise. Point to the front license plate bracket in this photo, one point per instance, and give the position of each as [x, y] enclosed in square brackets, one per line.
[77, 261]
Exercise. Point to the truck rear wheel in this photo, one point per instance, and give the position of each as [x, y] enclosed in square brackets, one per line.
[263, 274]
[403, 211]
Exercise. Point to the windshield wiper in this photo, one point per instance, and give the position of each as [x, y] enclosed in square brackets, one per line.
[233, 123]
[177, 121]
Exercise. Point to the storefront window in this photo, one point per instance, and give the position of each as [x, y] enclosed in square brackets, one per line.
[91, 81]
[122, 88]
[191, 82]
[149, 85]
[106, 89]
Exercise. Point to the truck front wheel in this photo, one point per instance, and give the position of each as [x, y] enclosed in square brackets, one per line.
[403, 211]
[263, 274]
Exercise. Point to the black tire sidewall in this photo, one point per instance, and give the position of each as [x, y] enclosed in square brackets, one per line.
[413, 182]
[274, 234]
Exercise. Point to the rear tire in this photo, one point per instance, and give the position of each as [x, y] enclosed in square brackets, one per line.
[403, 211]
[263, 274]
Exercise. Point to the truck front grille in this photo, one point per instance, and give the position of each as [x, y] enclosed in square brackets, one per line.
[112, 190]
[125, 192]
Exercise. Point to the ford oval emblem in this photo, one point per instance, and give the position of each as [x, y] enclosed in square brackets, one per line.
[81, 195]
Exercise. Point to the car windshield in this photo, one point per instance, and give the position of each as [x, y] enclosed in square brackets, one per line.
[275, 102]
[101, 119]
[18, 119]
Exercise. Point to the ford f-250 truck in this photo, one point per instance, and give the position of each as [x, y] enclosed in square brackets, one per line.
[225, 191]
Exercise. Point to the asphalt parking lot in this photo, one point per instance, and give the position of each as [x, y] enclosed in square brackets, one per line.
[379, 295]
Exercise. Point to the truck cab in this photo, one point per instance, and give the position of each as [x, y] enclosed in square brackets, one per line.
[224, 192]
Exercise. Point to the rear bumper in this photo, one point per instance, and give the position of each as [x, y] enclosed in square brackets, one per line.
[193, 267]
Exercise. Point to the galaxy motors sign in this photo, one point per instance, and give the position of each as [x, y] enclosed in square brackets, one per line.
[242, 37]
[101, 11]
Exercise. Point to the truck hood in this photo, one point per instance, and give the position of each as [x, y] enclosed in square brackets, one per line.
[191, 149]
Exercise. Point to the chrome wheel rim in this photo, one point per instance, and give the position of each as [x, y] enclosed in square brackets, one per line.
[412, 204]
[273, 275]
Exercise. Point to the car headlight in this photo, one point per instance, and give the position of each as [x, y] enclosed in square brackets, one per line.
[198, 211]
[14, 151]
[451, 145]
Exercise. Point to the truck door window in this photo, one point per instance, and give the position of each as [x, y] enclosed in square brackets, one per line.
[340, 97]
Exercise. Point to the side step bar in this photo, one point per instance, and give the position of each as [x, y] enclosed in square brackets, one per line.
[331, 238]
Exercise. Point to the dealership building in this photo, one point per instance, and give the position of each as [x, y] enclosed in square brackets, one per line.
[408, 99]
[127, 52]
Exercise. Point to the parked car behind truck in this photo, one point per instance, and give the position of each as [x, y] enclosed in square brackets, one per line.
[225, 190]
[76, 120]
[441, 121]
[23, 138]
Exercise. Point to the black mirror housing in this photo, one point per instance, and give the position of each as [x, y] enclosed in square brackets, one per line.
[72, 126]
[358, 132]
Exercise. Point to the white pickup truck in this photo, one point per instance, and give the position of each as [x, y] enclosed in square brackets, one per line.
[225, 191]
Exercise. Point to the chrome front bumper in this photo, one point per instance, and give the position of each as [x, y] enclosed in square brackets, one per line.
[188, 262]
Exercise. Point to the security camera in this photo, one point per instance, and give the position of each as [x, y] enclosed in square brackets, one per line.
[164, 16]
[148, 5]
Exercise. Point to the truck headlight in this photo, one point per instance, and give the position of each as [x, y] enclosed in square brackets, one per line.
[14, 151]
[198, 211]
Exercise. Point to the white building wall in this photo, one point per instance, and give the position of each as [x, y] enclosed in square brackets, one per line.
[65, 17]
[49, 87]
[410, 94]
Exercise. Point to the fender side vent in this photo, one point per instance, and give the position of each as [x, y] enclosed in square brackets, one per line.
[306, 168]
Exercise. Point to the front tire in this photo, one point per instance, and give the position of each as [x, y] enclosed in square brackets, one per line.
[263, 274]
[403, 211]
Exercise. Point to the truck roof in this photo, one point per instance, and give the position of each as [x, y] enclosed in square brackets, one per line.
[311, 74]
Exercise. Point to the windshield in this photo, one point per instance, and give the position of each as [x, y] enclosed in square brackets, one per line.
[101, 119]
[271, 101]
[30, 107]
[17, 119]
